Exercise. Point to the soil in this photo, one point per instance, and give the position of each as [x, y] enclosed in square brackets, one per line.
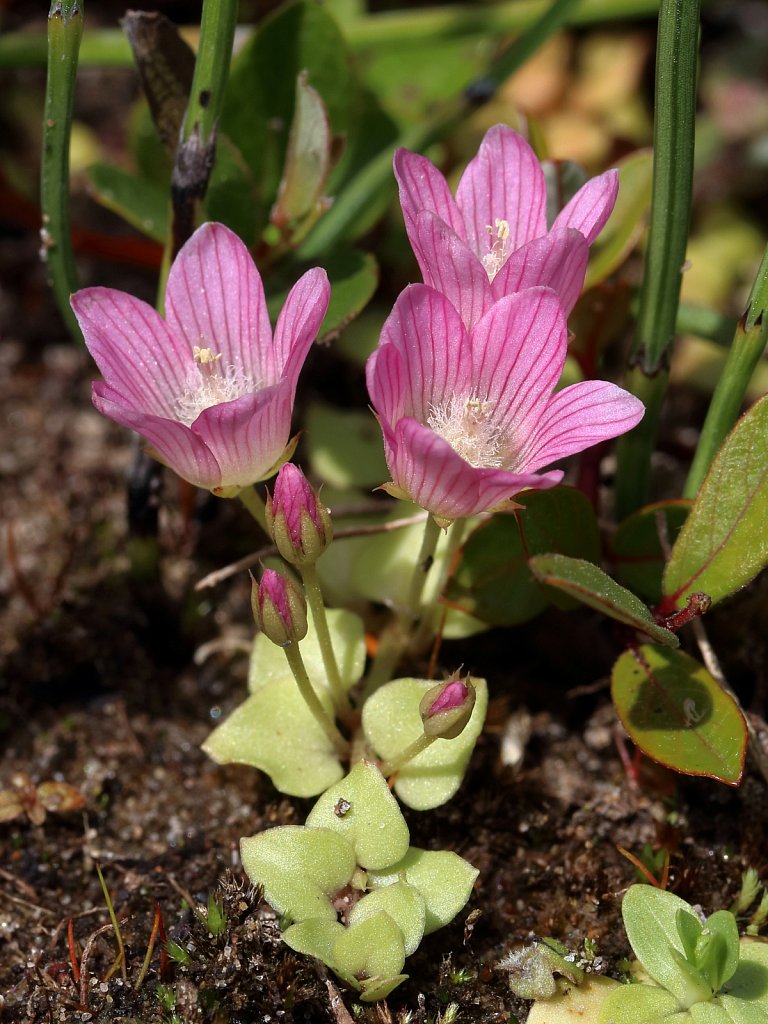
[113, 676]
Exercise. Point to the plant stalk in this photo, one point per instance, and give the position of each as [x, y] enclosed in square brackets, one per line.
[316, 604]
[673, 146]
[412, 750]
[296, 662]
[65, 29]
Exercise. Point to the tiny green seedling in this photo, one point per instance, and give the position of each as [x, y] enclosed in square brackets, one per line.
[358, 896]
[700, 972]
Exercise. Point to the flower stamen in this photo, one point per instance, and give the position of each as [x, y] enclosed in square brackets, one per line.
[467, 425]
[207, 385]
[496, 257]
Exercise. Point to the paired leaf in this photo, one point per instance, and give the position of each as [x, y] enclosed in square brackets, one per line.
[275, 731]
[443, 879]
[678, 714]
[403, 903]
[724, 542]
[493, 580]
[590, 585]
[362, 810]
[299, 868]
[391, 723]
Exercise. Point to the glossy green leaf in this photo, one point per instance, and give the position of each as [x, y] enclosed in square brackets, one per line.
[299, 868]
[627, 222]
[590, 585]
[724, 543]
[372, 821]
[275, 731]
[268, 662]
[637, 555]
[344, 446]
[493, 581]
[443, 878]
[677, 714]
[141, 203]
[391, 723]
[353, 275]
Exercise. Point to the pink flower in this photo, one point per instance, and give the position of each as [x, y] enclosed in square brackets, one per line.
[209, 387]
[469, 417]
[492, 240]
[279, 608]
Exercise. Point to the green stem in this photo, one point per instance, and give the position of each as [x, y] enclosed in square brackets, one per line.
[673, 145]
[296, 662]
[635, 448]
[65, 28]
[320, 619]
[413, 750]
[206, 98]
[427, 627]
[745, 352]
[253, 501]
[397, 636]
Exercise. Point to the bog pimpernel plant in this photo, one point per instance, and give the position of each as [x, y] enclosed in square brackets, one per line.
[486, 381]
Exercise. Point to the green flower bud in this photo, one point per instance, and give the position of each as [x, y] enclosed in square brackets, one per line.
[279, 608]
[446, 708]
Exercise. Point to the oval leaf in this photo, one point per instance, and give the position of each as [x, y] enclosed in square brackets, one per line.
[724, 543]
[677, 713]
[590, 585]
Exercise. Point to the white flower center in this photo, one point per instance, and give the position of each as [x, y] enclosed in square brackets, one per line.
[496, 257]
[208, 383]
[467, 425]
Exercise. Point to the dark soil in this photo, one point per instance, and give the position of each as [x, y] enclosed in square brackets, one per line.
[109, 689]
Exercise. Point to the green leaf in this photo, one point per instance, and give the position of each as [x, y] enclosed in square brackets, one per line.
[371, 950]
[140, 202]
[650, 919]
[403, 903]
[575, 1004]
[750, 982]
[372, 823]
[315, 937]
[268, 663]
[232, 192]
[353, 275]
[308, 159]
[640, 1004]
[443, 878]
[275, 731]
[717, 949]
[677, 714]
[724, 542]
[261, 91]
[590, 585]
[637, 555]
[299, 868]
[493, 580]
[627, 222]
[344, 446]
[391, 723]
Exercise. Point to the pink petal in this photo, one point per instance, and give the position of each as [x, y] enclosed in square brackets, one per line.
[449, 265]
[435, 477]
[576, 418]
[134, 349]
[518, 350]
[503, 182]
[557, 260]
[215, 299]
[423, 187]
[591, 207]
[249, 434]
[299, 321]
[176, 445]
[384, 376]
[429, 334]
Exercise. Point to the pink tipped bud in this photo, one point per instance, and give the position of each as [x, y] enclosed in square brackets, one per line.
[300, 526]
[446, 708]
[279, 608]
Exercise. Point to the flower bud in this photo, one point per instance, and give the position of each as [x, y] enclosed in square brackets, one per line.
[279, 608]
[300, 526]
[446, 708]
